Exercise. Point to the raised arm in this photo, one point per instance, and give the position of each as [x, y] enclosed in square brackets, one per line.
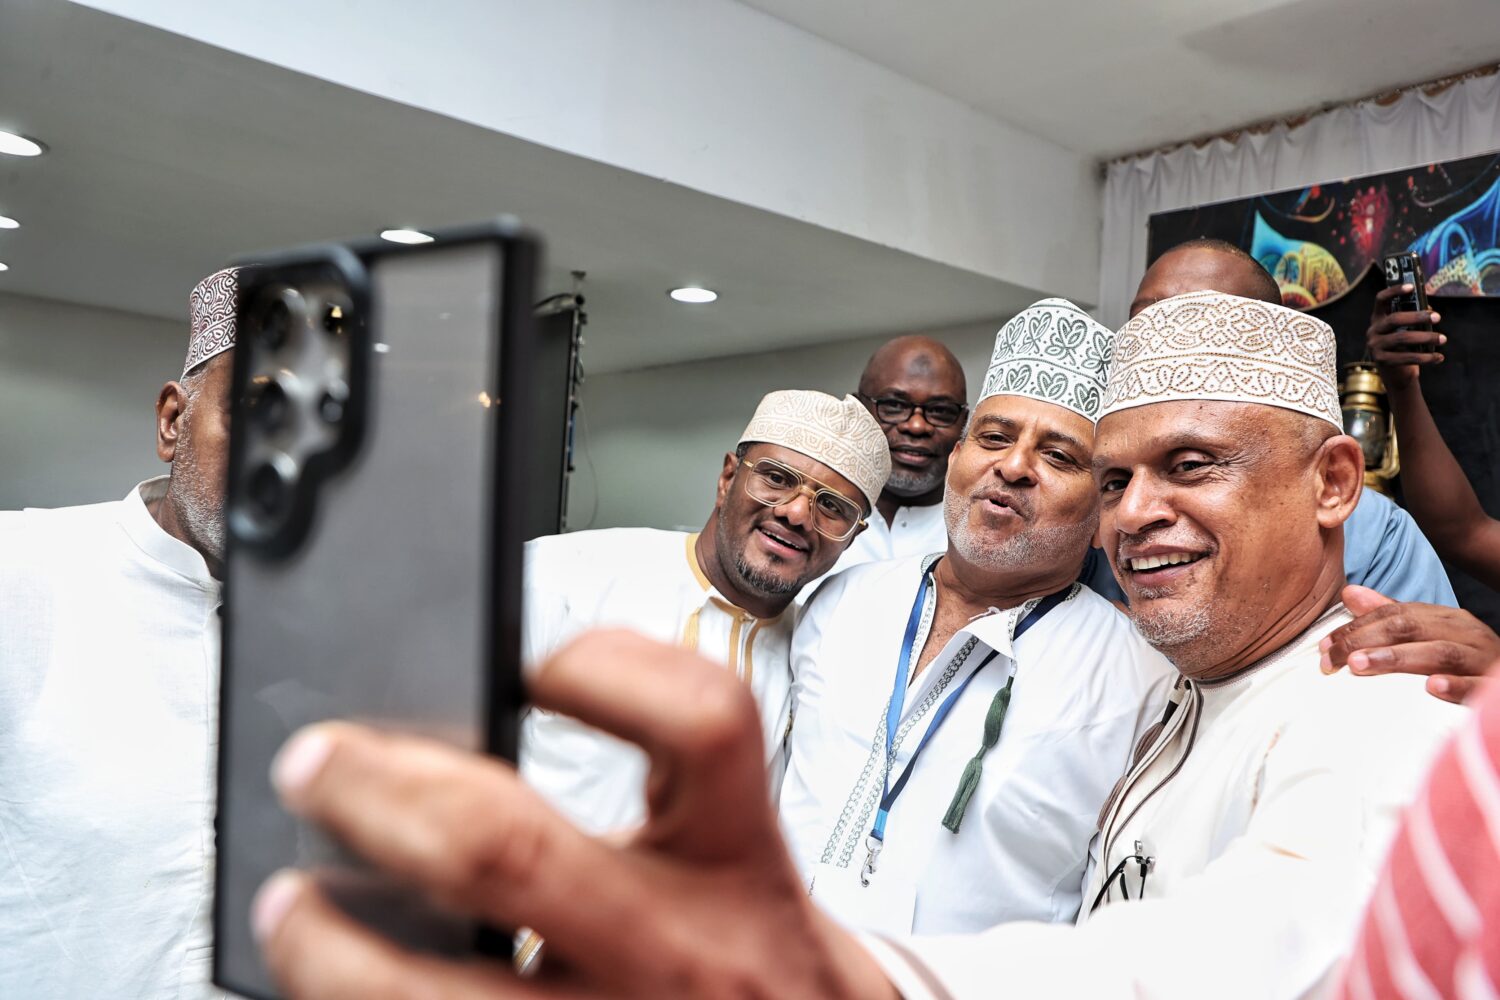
[1437, 492]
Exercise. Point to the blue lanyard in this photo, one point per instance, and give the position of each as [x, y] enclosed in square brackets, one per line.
[898, 701]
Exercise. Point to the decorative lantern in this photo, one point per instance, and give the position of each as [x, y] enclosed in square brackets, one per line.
[1368, 420]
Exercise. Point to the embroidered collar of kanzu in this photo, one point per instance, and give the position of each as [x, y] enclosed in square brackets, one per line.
[1052, 351]
[1209, 345]
[839, 433]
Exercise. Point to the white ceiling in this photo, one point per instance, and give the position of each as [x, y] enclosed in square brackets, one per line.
[1107, 78]
[168, 157]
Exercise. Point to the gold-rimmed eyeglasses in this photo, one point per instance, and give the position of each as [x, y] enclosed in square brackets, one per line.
[835, 516]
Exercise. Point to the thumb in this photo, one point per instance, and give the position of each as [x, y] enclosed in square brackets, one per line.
[1362, 600]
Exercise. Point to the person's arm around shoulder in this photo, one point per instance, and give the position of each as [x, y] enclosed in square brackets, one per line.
[1451, 647]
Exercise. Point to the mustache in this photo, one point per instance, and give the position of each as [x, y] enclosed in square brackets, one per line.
[784, 528]
[1162, 536]
[909, 445]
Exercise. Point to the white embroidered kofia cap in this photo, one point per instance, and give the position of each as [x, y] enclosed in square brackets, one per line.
[839, 433]
[1052, 351]
[1209, 345]
[211, 309]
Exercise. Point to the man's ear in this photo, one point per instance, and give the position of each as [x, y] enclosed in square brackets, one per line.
[726, 476]
[171, 404]
[1340, 476]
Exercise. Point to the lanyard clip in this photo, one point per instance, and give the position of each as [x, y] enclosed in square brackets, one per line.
[872, 845]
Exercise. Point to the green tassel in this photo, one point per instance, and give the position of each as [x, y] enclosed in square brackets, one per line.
[994, 721]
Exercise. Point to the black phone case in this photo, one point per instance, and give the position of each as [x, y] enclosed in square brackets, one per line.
[244, 756]
[1405, 268]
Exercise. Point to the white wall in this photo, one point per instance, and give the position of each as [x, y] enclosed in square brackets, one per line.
[652, 441]
[709, 94]
[77, 396]
[78, 385]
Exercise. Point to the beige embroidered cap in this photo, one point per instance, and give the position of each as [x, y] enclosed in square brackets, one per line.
[839, 433]
[1053, 351]
[211, 309]
[1209, 345]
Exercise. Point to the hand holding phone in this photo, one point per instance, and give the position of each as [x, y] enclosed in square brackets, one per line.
[377, 511]
[1401, 334]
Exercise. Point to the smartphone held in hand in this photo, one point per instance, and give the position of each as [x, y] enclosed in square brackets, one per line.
[376, 521]
[1405, 268]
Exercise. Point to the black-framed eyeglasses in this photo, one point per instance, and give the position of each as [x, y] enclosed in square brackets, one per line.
[1122, 873]
[895, 410]
[835, 516]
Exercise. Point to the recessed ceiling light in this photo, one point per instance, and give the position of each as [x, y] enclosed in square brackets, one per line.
[693, 294]
[4, 267]
[19, 145]
[6, 222]
[405, 236]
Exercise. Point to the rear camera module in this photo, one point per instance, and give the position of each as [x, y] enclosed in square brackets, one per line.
[276, 325]
[268, 491]
[267, 404]
[279, 318]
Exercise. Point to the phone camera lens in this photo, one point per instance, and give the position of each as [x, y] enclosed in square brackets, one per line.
[335, 316]
[267, 404]
[331, 407]
[269, 491]
[276, 325]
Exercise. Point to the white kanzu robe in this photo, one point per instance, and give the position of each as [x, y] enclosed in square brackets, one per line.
[1268, 803]
[1087, 686]
[649, 581]
[913, 531]
[109, 677]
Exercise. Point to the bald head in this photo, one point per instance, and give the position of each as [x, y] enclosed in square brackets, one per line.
[1205, 265]
[918, 371]
[917, 355]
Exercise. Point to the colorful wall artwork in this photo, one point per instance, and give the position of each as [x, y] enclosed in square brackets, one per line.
[1318, 240]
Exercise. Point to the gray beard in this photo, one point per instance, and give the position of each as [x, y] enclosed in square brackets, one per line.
[908, 483]
[1167, 630]
[1032, 547]
[200, 508]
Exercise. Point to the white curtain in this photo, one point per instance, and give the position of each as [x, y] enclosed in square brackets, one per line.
[1349, 141]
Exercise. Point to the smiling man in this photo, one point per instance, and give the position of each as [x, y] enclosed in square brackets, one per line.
[1235, 856]
[797, 489]
[1383, 547]
[962, 716]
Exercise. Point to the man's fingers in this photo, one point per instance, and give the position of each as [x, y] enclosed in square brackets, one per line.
[1455, 689]
[696, 720]
[1391, 291]
[1397, 358]
[1362, 600]
[316, 952]
[1403, 338]
[1388, 624]
[465, 830]
[1433, 656]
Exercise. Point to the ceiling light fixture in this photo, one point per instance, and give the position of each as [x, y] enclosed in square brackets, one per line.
[19, 145]
[6, 222]
[408, 236]
[692, 293]
[4, 267]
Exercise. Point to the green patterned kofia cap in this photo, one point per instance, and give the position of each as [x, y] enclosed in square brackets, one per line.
[1052, 351]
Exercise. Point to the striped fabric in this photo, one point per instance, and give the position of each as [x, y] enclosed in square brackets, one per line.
[1433, 926]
